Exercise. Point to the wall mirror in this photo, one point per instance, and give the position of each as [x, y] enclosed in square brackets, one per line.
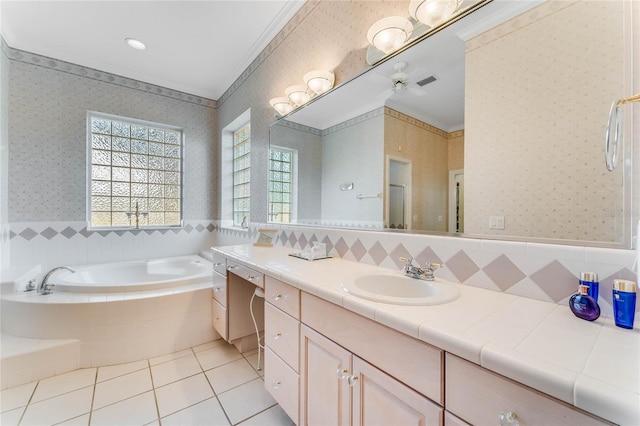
[492, 127]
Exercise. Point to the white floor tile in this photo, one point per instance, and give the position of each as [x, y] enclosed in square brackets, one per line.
[182, 394]
[138, 410]
[112, 371]
[244, 401]
[67, 382]
[209, 345]
[60, 408]
[169, 357]
[175, 370]
[122, 387]
[76, 421]
[207, 412]
[231, 375]
[274, 416]
[218, 356]
[12, 417]
[16, 397]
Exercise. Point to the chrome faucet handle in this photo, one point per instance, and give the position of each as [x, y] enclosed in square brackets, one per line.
[430, 268]
[48, 288]
[31, 286]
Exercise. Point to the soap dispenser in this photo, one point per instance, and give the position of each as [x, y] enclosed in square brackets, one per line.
[584, 306]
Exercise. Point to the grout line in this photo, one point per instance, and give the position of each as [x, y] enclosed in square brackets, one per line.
[153, 388]
[93, 395]
[256, 414]
[28, 402]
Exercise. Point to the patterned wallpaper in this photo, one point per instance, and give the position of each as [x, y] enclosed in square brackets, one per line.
[536, 108]
[426, 148]
[47, 131]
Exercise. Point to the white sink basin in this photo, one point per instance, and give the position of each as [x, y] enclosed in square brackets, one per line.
[401, 290]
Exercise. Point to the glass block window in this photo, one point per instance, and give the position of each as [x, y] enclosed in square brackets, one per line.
[280, 184]
[241, 176]
[134, 166]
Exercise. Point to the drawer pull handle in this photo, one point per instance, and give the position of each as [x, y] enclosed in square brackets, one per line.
[276, 336]
[276, 384]
[343, 373]
[277, 296]
[508, 418]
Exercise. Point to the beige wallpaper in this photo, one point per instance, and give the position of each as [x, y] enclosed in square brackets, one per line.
[538, 91]
[426, 147]
[456, 150]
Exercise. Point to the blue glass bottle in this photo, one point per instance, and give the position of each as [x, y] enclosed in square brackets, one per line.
[584, 306]
[624, 302]
[590, 279]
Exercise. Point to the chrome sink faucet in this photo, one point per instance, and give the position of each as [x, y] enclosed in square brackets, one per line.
[45, 287]
[426, 273]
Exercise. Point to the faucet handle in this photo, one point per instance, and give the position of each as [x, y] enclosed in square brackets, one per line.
[433, 266]
[407, 261]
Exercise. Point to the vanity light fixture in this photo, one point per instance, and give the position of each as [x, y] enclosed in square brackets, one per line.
[433, 12]
[136, 44]
[282, 105]
[390, 33]
[297, 94]
[319, 81]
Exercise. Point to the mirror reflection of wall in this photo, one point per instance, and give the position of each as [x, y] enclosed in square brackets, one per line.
[517, 110]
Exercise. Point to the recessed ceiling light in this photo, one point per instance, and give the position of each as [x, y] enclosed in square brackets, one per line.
[136, 44]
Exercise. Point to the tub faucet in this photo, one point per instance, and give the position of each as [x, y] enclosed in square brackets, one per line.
[426, 273]
[45, 287]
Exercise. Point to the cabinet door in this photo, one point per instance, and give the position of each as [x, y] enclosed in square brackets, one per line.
[325, 396]
[379, 399]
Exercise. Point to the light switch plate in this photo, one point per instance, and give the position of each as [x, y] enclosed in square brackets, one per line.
[496, 222]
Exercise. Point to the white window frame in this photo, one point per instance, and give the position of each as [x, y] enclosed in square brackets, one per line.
[226, 170]
[89, 167]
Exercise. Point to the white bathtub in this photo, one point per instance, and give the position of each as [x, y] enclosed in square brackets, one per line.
[133, 275]
[112, 313]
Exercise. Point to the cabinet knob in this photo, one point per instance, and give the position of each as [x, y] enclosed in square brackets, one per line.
[343, 373]
[231, 267]
[276, 384]
[352, 380]
[508, 418]
[276, 336]
[277, 296]
[250, 277]
[217, 264]
[216, 289]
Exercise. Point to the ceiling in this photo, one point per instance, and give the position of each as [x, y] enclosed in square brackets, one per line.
[196, 47]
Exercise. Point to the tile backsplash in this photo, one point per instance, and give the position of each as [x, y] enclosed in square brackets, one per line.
[547, 272]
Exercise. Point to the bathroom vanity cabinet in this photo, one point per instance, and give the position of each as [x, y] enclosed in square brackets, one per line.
[325, 364]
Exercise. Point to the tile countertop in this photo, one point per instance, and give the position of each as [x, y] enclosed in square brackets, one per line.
[594, 366]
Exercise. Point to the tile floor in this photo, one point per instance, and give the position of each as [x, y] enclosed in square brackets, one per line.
[210, 384]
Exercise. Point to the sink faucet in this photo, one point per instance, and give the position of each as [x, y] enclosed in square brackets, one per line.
[426, 273]
[45, 287]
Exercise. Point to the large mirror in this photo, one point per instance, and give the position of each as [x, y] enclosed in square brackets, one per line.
[491, 127]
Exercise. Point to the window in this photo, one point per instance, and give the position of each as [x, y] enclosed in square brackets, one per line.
[135, 172]
[281, 173]
[241, 176]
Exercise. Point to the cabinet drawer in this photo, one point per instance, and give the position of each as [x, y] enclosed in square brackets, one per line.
[219, 264]
[282, 334]
[411, 361]
[479, 396]
[283, 296]
[219, 289]
[254, 277]
[219, 318]
[282, 383]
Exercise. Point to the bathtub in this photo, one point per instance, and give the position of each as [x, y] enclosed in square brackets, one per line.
[133, 275]
[110, 314]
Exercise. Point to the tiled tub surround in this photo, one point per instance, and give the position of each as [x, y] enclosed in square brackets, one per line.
[545, 272]
[103, 328]
[51, 244]
[592, 365]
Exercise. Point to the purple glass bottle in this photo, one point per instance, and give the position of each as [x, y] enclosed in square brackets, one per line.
[584, 306]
